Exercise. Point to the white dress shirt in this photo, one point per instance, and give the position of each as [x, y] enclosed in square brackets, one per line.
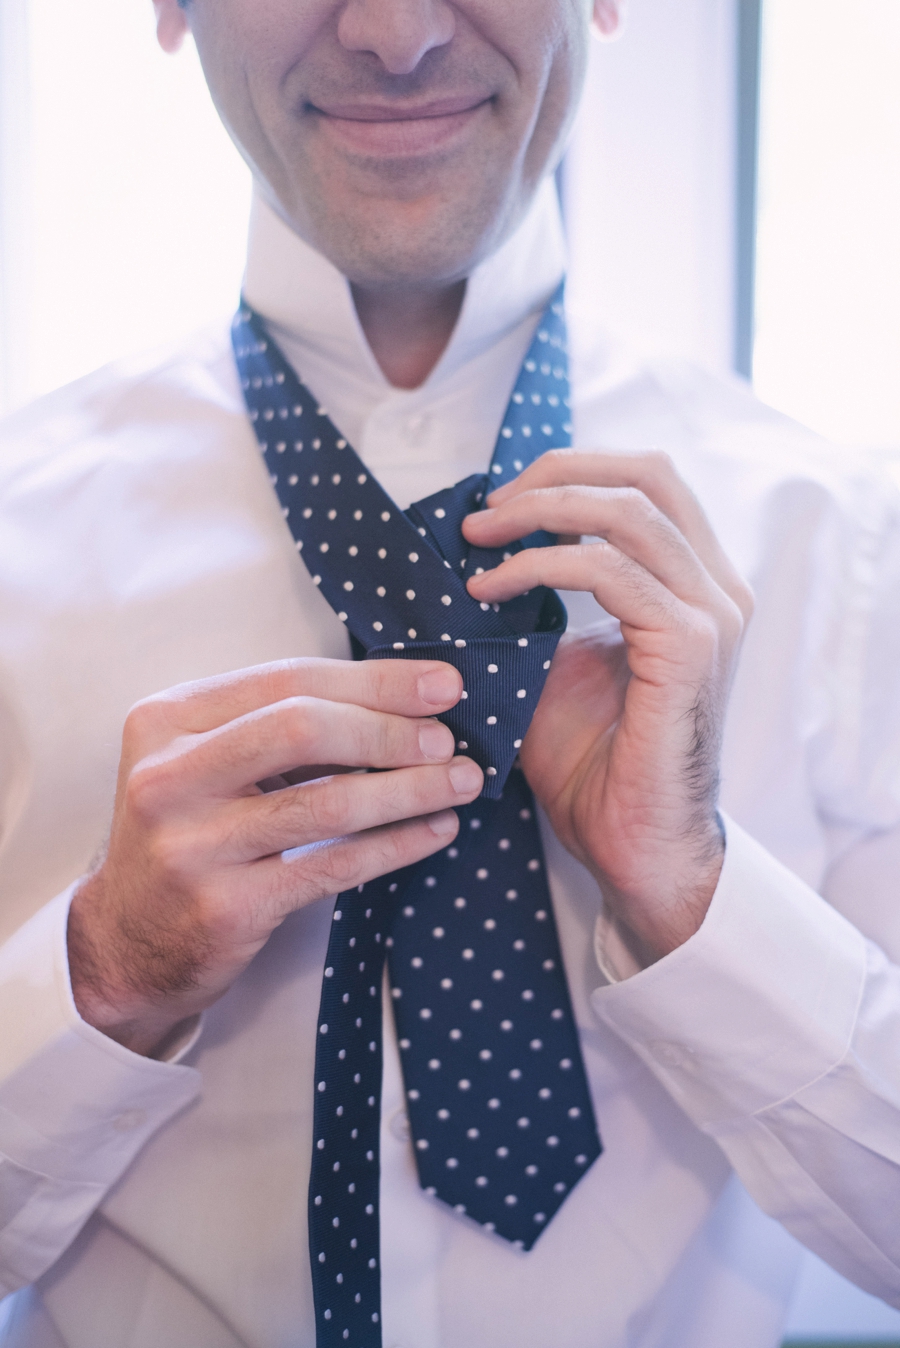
[163, 1204]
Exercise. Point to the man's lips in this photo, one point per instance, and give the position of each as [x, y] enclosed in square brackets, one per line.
[373, 110]
[398, 129]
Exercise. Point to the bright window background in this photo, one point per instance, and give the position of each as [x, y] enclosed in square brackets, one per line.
[827, 345]
[134, 201]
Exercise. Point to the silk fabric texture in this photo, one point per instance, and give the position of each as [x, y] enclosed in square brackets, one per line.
[500, 1110]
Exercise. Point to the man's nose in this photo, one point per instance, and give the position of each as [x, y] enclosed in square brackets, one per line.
[398, 32]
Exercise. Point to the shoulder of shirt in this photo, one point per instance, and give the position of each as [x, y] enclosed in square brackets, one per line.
[179, 385]
[740, 455]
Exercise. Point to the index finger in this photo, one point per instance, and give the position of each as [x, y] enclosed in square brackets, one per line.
[651, 472]
[401, 687]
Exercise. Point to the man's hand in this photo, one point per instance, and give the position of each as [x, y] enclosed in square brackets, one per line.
[203, 863]
[623, 752]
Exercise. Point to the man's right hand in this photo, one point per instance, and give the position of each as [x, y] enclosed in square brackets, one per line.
[203, 863]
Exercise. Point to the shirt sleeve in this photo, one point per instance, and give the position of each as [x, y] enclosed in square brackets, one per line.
[75, 1107]
[776, 1028]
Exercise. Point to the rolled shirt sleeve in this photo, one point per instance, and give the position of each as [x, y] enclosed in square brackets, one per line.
[776, 1027]
[75, 1107]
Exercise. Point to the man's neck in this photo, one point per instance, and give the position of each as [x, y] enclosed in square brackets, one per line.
[408, 330]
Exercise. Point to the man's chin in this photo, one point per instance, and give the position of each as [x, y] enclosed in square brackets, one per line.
[410, 241]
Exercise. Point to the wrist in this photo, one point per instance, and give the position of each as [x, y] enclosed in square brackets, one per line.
[144, 1023]
[662, 902]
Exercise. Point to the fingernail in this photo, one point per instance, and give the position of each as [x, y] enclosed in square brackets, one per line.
[466, 777]
[444, 823]
[439, 687]
[435, 740]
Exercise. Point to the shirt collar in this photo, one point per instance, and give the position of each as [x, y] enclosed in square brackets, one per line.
[308, 301]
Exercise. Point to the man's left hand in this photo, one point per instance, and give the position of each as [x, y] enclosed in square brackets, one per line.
[623, 752]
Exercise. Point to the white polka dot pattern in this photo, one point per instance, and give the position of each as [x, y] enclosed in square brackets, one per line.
[343, 1190]
[399, 596]
[466, 946]
[500, 1112]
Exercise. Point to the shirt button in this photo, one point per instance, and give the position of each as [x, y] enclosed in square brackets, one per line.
[399, 1125]
[415, 423]
[128, 1119]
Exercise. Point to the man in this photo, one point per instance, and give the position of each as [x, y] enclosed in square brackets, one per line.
[737, 1032]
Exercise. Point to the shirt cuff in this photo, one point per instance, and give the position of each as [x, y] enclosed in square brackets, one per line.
[75, 1106]
[758, 1004]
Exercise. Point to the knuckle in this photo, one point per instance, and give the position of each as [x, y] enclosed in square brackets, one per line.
[327, 870]
[222, 838]
[397, 792]
[658, 464]
[388, 850]
[332, 871]
[745, 600]
[623, 567]
[146, 719]
[353, 861]
[348, 864]
[390, 688]
[715, 634]
[377, 677]
[706, 635]
[147, 790]
[297, 669]
[699, 638]
[572, 494]
[733, 622]
[279, 679]
[639, 506]
[383, 739]
[554, 463]
[334, 867]
[322, 809]
[303, 719]
[314, 727]
[171, 852]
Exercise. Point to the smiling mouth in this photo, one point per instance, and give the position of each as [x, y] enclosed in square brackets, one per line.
[399, 130]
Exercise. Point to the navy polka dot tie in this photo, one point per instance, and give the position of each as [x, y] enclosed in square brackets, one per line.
[499, 1108]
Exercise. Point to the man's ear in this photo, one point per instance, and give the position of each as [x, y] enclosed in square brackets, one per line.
[172, 25]
[608, 17]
